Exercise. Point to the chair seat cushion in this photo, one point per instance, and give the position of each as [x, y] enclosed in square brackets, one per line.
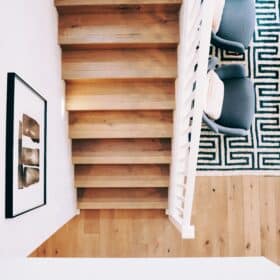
[218, 13]
[238, 21]
[239, 104]
[214, 97]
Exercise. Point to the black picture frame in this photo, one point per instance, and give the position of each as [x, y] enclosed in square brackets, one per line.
[12, 79]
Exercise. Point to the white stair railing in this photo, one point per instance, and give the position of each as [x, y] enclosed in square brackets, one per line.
[193, 51]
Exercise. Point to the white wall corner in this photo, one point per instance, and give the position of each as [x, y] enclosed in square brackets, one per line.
[30, 49]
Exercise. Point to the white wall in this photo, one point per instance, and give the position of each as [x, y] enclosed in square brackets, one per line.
[256, 268]
[28, 46]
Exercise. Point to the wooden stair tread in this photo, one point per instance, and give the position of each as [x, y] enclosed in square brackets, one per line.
[120, 124]
[120, 64]
[119, 61]
[120, 95]
[121, 176]
[128, 29]
[122, 199]
[121, 151]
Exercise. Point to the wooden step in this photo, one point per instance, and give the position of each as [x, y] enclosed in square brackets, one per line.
[120, 124]
[120, 64]
[119, 30]
[122, 199]
[121, 176]
[122, 151]
[120, 95]
[99, 6]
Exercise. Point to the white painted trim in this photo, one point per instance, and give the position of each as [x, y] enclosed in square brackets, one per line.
[257, 268]
[188, 118]
[188, 232]
[239, 173]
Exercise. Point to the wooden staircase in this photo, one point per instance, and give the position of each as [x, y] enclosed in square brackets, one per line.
[120, 66]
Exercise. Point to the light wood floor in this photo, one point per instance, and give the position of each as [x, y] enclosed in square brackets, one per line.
[234, 216]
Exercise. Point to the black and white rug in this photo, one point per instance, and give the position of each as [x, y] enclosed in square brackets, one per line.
[259, 152]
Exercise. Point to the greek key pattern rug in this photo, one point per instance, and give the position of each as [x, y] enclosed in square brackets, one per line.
[259, 152]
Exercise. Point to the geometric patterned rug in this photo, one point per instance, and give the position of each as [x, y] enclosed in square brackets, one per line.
[259, 152]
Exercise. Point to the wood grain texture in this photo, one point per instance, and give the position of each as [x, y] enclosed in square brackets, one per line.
[121, 176]
[121, 151]
[122, 29]
[122, 199]
[120, 95]
[269, 218]
[234, 216]
[235, 209]
[251, 202]
[61, 3]
[121, 124]
[119, 64]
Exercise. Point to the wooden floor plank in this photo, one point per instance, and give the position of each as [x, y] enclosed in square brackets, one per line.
[268, 217]
[276, 185]
[150, 234]
[251, 202]
[235, 216]
[220, 212]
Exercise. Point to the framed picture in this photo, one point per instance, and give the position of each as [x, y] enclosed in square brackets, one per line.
[25, 148]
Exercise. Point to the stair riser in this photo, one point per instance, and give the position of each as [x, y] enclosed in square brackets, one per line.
[119, 28]
[111, 206]
[120, 95]
[123, 199]
[119, 64]
[121, 176]
[123, 151]
[121, 124]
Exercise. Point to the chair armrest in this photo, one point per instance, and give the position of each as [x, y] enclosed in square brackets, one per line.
[227, 44]
[232, 71]
[210, 123]
[238, 132]
[222, 129]
[212, 63]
